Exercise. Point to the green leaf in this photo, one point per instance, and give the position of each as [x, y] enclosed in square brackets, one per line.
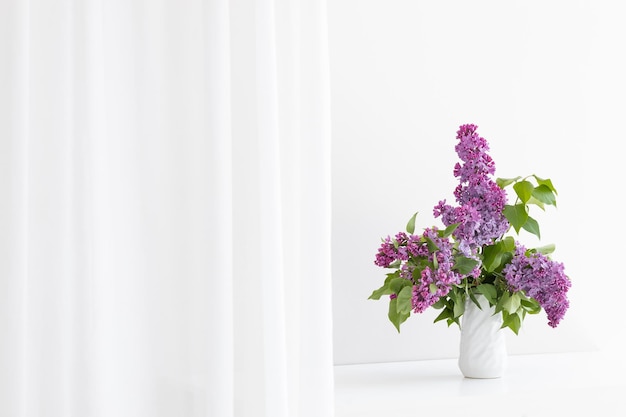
[386, 287]
[547, 182]
[516, 215]
[432, 246]
[545, 195]
[512, 303]
[459, 308]
[395, 264]
[524, 189]
[441, 303]
[403, 305]
[546, 250]
[392, 275]
[530, 306]
[506, 258]
[504, 182]
[376, 294]
[474, 300]
[457, 294]
[488, 291]
[417, 273]
[454, 320]
[508, 244]
[393, 313]
[432, 288]
[396, 284]
[511, 321]
[464, 265]
[446, 313]
[502, 301]
[532, 226]
[537, 203]
[396, 318]
[450, 229]
[521, 313]
[492, 257]
[410, 226]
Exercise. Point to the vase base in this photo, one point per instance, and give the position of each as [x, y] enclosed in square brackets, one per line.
[482, 377]
[478, 373]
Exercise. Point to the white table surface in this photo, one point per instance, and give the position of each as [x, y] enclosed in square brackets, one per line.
[587, 384]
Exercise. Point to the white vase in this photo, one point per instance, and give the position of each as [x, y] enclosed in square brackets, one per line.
[483, 345]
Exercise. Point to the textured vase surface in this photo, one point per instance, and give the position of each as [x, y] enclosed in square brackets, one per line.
[482, 351]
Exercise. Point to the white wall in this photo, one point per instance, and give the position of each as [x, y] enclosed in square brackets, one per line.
[544, 81]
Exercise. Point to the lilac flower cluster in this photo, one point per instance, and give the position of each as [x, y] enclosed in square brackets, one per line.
[481, 200]
[436, 279]
[441, 276]
[540, 278]
[399, 249]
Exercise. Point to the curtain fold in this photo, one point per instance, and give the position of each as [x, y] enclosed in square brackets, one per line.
[165, 216]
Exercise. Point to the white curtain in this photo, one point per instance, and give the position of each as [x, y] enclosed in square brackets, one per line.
[165, 209]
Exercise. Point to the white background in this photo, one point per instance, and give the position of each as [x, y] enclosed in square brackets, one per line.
[544, 81]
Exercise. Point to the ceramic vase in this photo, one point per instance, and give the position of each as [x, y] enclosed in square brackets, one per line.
[482, 351]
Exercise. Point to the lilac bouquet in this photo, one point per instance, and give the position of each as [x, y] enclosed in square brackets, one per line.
[472, 255]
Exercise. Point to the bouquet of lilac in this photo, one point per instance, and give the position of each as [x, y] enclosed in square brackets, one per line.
[472, 255]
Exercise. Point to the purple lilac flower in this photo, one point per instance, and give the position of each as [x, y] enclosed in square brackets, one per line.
[472, 150]
[433, 282]
[481, 200]
[542, 279]
[387, 253]
[399, 248]
[443, 276]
